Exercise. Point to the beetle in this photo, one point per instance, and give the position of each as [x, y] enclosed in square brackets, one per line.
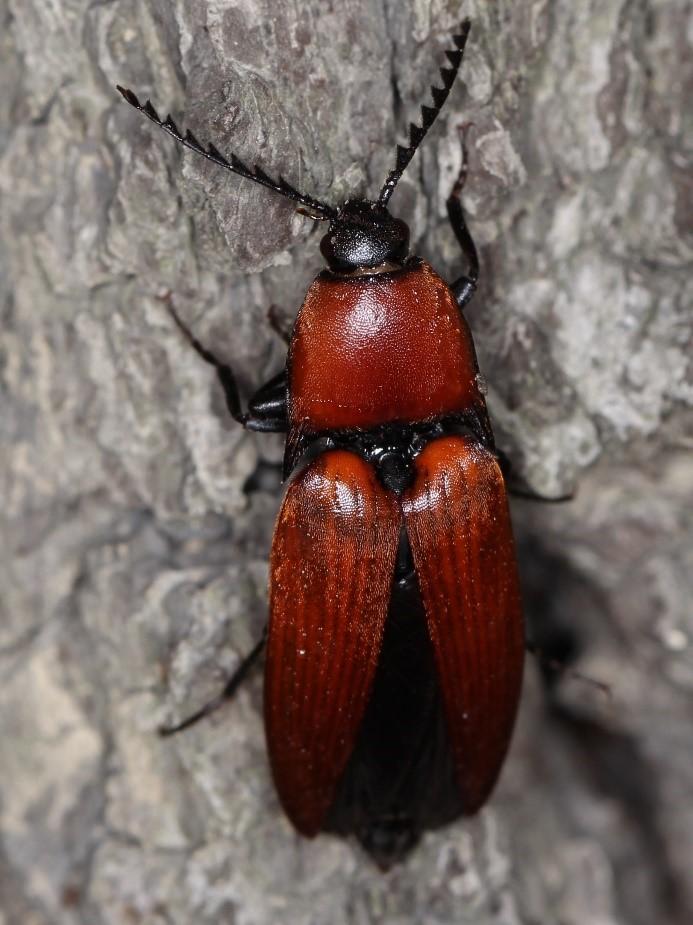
[395, 642]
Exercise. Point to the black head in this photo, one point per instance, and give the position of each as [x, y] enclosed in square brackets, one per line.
[364, 235]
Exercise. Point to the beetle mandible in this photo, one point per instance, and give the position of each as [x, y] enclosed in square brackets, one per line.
[395, 645]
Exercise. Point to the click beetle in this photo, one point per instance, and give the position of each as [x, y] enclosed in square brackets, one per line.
[395, 644]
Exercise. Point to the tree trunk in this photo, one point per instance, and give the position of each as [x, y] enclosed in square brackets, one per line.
[138, 517]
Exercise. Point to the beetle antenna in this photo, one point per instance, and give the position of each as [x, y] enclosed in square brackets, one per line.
[428, 113]
[317, 210]
[313, 216]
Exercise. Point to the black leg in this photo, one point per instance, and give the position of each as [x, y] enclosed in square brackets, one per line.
[554, 667]
[232, 686]
[528, 495]
[267, 407]
[271, 419]
[465, 286]
[280, 322]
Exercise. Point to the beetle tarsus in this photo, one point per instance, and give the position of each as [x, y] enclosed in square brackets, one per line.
[228, 693]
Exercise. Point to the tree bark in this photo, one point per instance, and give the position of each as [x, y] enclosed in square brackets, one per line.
[138, 518]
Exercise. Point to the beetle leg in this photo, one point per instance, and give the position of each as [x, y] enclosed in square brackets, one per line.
[267, 408]
[555, 667]
[229, 691]
[530, 495]
[260, 417]
[281, 323]
[465, 286]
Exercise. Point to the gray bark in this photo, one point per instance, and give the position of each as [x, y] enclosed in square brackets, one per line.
[134, 563]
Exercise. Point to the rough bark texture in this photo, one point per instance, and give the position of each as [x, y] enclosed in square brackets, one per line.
[134, 554]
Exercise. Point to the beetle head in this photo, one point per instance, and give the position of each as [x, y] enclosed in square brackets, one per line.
[364, 235]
